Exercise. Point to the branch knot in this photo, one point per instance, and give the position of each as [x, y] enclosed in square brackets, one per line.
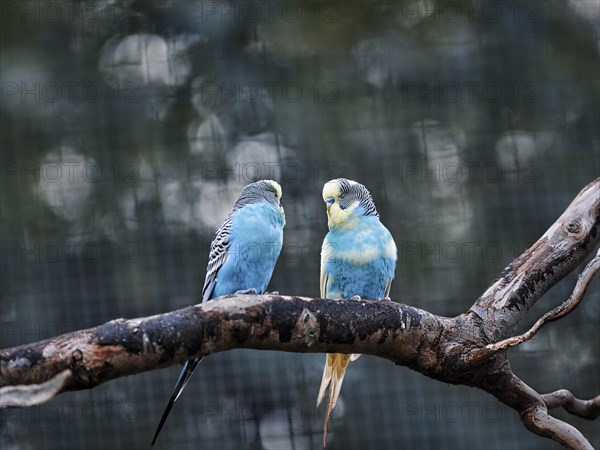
[573, 227]
[307, 328]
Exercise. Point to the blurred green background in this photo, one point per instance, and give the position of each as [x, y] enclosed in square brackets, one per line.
[128, 129]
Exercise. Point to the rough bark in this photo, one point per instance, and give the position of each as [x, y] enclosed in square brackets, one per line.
[557, 253]
[457, 350]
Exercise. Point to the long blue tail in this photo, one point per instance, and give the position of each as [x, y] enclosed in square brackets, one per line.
[184, 377]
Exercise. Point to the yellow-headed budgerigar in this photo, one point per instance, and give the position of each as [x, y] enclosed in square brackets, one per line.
[242, 256]
[358, 259]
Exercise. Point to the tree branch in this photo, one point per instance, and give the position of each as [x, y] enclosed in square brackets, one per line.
[510, 390]
[454, 350]
[559, 312]
[34, 394]
[265, 322]
[558, 252]
[537, 420]
[586, 409]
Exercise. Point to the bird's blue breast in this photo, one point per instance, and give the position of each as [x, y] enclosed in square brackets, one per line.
[359, 261]
[255, 243]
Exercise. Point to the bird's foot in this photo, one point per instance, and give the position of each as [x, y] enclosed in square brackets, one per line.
[251, 291]
[355, 297]
[386, 299]
[272, 293]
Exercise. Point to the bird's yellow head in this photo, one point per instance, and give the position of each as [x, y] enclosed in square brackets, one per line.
[276, 188]
[346, 200]
[261, 191]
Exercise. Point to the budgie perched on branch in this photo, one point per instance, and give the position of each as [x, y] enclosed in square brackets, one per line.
[242, 256]
[358, 259]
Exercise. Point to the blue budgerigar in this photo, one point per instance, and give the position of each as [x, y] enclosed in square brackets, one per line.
[242, 256]
[358, 259]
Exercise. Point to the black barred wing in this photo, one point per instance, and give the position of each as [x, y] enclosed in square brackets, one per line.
[217, 257]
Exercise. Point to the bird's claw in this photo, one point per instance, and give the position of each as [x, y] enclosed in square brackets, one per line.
[386, 299]
[272, 293]
[251, 291]
[355, 297]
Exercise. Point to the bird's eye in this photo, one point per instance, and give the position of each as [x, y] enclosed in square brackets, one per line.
[342, 206]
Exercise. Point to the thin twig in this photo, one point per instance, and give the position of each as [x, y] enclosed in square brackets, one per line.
[33, 394]
[587, 409]
[533, 410]
[559, 312]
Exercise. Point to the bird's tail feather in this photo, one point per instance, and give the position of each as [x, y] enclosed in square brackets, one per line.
[184, 377]
[325, 380]
[333, 376]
